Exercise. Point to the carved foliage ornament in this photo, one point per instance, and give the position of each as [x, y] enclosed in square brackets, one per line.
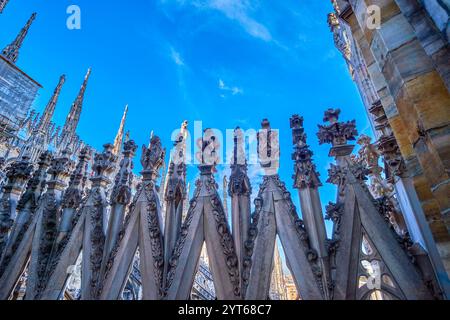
[73, 196]
[36, 183]
[305, 173]
[226, 240]
[152, 157]
[155, 235]
[104, 162]
[121, 192]
[337, 133]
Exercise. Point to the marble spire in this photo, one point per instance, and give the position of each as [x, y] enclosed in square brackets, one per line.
[11, 52]
[73, 118]
[47, 116]
[118, 141]
[3, 4]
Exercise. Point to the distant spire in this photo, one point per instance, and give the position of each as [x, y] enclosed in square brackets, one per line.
[119, 137]
[3, 4]
[11, 52]
[47, 116]
[71, 124]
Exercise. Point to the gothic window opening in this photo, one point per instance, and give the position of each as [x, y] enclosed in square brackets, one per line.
[375, 281]
[282, 285]
[133, 286]
[203, 287]
[72, 290]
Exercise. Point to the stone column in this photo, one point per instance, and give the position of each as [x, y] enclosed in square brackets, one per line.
[175, 196]
[306, 180]
[120, 199]
[95, 224]
[72, 198]
[46, 225]
[17, 174]
[239, 190]
[27, 205]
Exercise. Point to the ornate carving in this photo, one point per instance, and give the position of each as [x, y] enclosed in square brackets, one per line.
[252, 233]
[387, 144]
[47, 238]
[121, 192]
[337, 176]
[30, 197]
[18, 173]
[74, 193]
[155, 235]
[341, 40]
[152, 158]
[61, 167]
[390, 150]
[239, 182]
[268, 148]
[36, 184]
[368, 156]
[305, 173]
[175, 257]
[226, 240]
[59, 171]
[337, 133]
[97, 237]
[104, 162]
[176, 184]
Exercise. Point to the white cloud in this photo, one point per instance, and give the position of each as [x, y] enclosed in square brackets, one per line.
[239, 11]
[176, 57]
[229, 89]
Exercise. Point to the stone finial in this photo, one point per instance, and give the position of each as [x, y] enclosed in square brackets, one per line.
[265, 124]
[129, 148]
[61, 167]
[239, 183]
[122, 186]
[305, 173]
[208, 145]
[178, 153]
[37, 182]
[331, 115]
[19, 172]
[268, 148]
[152, 158]
[175, 182]
[337, 133]
[104, 162]
[81, 167]
[74, 193]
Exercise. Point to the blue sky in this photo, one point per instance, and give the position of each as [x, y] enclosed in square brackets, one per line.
[224, 62]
